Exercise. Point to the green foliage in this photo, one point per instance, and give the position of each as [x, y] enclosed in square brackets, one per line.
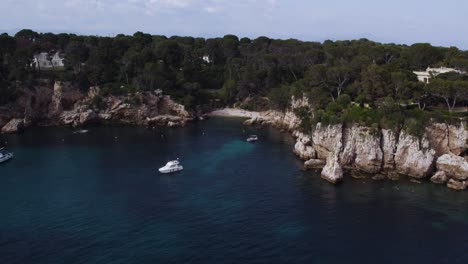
[356, 81]
[227, 92]
[280, 97]
[306, 117]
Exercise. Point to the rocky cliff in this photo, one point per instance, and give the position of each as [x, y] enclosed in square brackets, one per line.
[62, 104]
[359, 151]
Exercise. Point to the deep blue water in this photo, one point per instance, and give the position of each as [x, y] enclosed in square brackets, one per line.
[97, 198]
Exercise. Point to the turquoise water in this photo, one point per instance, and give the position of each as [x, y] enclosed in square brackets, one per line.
[97, 198]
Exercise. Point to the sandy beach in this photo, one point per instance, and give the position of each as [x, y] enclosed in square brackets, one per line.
[234, 112]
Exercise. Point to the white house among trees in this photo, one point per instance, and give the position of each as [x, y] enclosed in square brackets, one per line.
[426, 76]
[46, 60]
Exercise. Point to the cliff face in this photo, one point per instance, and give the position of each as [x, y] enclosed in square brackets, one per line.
[366, 152]
[65, 105]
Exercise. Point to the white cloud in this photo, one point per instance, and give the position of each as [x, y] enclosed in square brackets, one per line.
[162, 4]
[211, 9]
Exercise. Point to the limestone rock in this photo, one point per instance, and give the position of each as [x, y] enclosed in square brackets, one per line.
[445, 138]
[250, 122]
[458, 138]
[69, 118]
[314, 164]
[413, 156]
[173, 108]
[87, 117]
[105, 117]
[13, 126]
[303, 147]
[362, 150]
[327, 139]
[394, 176]
[454, 166]
[439, 178]
[332, 171]
[456, 185]
[379, 177]
[389, 146]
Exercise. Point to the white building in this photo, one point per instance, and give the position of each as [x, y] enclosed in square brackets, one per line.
[207, 59]
[44, 60]
[426, 76]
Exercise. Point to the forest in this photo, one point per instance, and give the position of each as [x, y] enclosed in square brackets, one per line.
[346, 81]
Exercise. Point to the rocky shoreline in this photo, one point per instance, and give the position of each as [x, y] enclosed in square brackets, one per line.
[441, 154]
[62, 104]
[364, 152]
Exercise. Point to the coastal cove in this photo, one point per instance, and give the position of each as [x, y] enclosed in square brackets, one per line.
[98, 198]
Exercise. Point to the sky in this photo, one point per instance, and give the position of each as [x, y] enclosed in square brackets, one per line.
[442, 23]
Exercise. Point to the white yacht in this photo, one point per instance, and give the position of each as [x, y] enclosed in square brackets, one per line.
[252, 138]
[171, 166]
[5, 155]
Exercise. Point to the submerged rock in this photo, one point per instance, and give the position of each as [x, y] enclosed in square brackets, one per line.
[456, 185]
[314, 164]
[379, 177]
[439, 178]
[13, 126]
[454, 166]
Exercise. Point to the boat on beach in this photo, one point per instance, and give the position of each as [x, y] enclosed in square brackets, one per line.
[5, 155]
[171, 166]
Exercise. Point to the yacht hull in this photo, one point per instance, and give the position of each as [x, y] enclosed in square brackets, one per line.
[171, 170]
[6, 158]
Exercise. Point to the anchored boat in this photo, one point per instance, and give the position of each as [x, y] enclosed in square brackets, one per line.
[82, 131]
[5, 155]
[171, 166]
[252, 138]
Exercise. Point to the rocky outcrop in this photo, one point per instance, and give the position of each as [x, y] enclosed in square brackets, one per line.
[361, 150]
[78, 118]
[167, 120]
[314, 164]
[447, 138]
[332, 171]
[15, 125]
[303, 147]
[439, 178]
[376, 153]
[62, 104]
[389, 147]
[453, 166]
[456, 185]
[327, 139]
[413, 156]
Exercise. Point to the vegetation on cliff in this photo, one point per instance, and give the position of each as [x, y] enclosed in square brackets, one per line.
[348, 81]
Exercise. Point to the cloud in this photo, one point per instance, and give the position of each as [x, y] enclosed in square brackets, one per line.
[168, 4]
[211, 9]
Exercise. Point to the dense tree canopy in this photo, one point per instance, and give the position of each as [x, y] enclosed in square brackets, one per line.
[195, 70]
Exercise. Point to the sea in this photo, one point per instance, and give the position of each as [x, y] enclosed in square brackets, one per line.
[97, 197]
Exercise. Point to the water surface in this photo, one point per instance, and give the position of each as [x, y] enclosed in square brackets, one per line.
[97, 198]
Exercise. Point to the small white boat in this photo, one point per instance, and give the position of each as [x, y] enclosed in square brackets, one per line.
[252, 138]
[171, 166]
[5, 155]
[82, 131]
